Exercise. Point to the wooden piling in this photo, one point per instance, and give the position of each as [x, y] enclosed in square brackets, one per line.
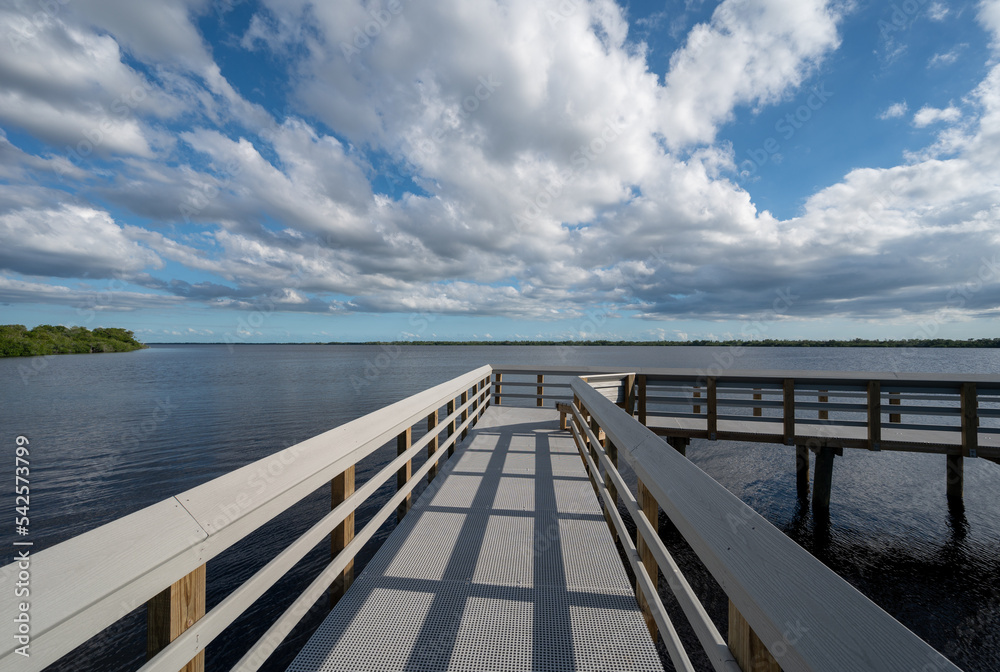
[823, 478]
[823, 398]
[757, 396]
[802, 471]
[541, 389]
[955, 475]
[499, 389]
[679, 443]
[173, 611]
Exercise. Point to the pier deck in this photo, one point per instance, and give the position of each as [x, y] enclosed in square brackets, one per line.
[505, 562]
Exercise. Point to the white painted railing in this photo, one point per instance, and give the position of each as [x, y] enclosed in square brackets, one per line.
[85, 584]
[786, 607]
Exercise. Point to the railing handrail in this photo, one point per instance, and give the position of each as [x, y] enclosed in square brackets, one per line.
[774, 583]
[84, 584]
[804, 377]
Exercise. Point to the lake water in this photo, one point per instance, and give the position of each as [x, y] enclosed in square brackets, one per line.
[111, 434]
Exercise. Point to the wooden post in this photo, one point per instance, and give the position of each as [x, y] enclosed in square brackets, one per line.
[465, 414]
[612, 450]
[802, 471]
[630, 394]
[486, 397]
[403, 443]
[499, 388]
[697, 395]
[541, 390]
[451, 427]
[788, 411]
[342, 487]
[649, 508]
[173, 611]
[823, 399]
[874, 415]
[823, 478]
[970, 420]
[712, 419]
[642, 398]
[750, 653]
[432, 447]
[679, 443]
[894, 400]
[955, 473]
[757, 396]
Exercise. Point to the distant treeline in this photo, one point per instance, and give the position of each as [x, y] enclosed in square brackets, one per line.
[18, 341]
[768, 343]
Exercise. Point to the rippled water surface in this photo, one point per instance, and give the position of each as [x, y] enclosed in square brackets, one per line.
[111, 434]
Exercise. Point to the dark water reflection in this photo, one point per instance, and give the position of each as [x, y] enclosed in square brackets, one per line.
[112, 434]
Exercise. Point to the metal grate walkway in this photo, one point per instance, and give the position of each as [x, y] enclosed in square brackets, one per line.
[504, 563]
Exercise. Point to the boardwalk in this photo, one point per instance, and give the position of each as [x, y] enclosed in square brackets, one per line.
[505, 562]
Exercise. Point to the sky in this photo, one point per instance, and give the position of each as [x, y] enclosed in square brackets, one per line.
[285, 170]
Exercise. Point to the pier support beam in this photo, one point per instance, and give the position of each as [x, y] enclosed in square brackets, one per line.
[342, 487]
[955, 470]
[172, 612]
[823, 478]
[802, 471]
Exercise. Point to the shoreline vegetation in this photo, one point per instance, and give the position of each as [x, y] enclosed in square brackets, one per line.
[18, 341]
[768, 343]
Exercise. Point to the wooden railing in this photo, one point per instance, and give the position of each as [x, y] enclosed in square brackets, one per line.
[158, 555]
[787, 610]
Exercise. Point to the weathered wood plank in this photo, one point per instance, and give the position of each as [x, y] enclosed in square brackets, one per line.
[650, 509]
[342, 487]
[874, 415]
[788, 411]
[970, 421]
[403, 442]
[173, 611]
[749, 651]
